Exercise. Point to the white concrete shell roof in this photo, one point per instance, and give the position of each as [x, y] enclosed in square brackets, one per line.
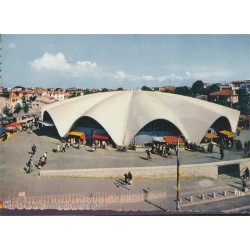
[124, 113]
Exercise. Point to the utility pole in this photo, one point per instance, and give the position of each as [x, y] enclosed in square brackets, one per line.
[178, 208]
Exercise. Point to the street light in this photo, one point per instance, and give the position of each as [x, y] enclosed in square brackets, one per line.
[178, 208]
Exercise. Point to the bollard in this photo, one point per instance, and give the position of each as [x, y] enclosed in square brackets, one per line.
[202, 197]
[213, 195]
[235, 191]
[191, 199]
[225, 193]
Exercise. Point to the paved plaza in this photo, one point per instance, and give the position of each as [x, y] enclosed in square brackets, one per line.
[15, 152]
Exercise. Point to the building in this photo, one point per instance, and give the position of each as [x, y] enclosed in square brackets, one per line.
[227, 96]
[132, 116]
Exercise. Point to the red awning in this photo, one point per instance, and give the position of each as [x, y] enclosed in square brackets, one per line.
[247, 118]
[13, 124]
[100, 137]
[172, 139]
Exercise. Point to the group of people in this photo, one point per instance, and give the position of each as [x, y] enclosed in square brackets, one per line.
[128, 178]
[163, 149]
[62, 148]
[42, 161]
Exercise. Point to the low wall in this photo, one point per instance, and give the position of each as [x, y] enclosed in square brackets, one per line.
[209, 170]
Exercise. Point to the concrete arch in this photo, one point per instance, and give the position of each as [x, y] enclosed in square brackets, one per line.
[123, 113]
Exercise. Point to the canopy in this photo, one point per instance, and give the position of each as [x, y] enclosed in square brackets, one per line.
[100, 137]
[227, 133]
[11, 129]
[26, 120]
[173, 139]
[13, 124]
[77, 133]
[158, 139]
[211, 136]
[2, 131]
[47, 124]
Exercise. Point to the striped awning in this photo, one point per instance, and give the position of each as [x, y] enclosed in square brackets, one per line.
[227, 133]
[211, 136]
[76, 133]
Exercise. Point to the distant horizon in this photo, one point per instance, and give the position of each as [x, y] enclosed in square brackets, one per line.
[125, 61]
[55, 87]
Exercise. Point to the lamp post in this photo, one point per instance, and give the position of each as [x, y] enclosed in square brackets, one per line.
[178, 208]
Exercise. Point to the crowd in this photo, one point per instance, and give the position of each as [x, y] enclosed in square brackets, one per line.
[30, 164]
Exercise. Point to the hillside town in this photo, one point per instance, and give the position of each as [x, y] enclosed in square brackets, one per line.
[19, 101]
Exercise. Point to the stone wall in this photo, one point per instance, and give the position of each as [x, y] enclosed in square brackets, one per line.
[209, 170]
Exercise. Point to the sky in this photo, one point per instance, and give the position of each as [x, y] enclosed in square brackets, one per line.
[127, 61]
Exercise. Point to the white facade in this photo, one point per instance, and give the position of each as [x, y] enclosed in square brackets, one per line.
[124, 113]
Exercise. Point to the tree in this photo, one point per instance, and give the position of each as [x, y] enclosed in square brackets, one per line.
[17, 108]
[120, 89]
[204, 91]
[73, 95]
[145, 88]
[26, 108]
[105, 90]
[17, 93]
[197, 86]
[182, 91]
[214, 88]
[6, 111]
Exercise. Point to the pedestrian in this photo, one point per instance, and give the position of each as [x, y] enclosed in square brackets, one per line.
[130, 178]
[30, 165]
[43, 161]
[247, 173]
[33, 148]
[40, 163]
[149, 158]
[45, 157]
[63, 147]
[126, 178]
[244, 184]
[221, 153]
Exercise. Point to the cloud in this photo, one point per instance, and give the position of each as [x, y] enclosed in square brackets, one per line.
[120, 75]
[148, 78]
[208, 75]
[11, 45]
[59, 63]
[173, 77]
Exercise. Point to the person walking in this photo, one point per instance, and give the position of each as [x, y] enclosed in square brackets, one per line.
[33, 148]
[130, 178]
[64, 147]
[247, 173]
[149, 158]
[221, 153]
[40, 163]
[244, 184]
[45, 157]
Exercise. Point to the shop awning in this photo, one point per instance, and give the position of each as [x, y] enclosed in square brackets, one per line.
[2, 131]
[172, 139]
[47, 124]
[100, 137]
[13, 124]
[158, 139]
[77, 133]
[26, 120]
[227, 133]
[211, 136]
